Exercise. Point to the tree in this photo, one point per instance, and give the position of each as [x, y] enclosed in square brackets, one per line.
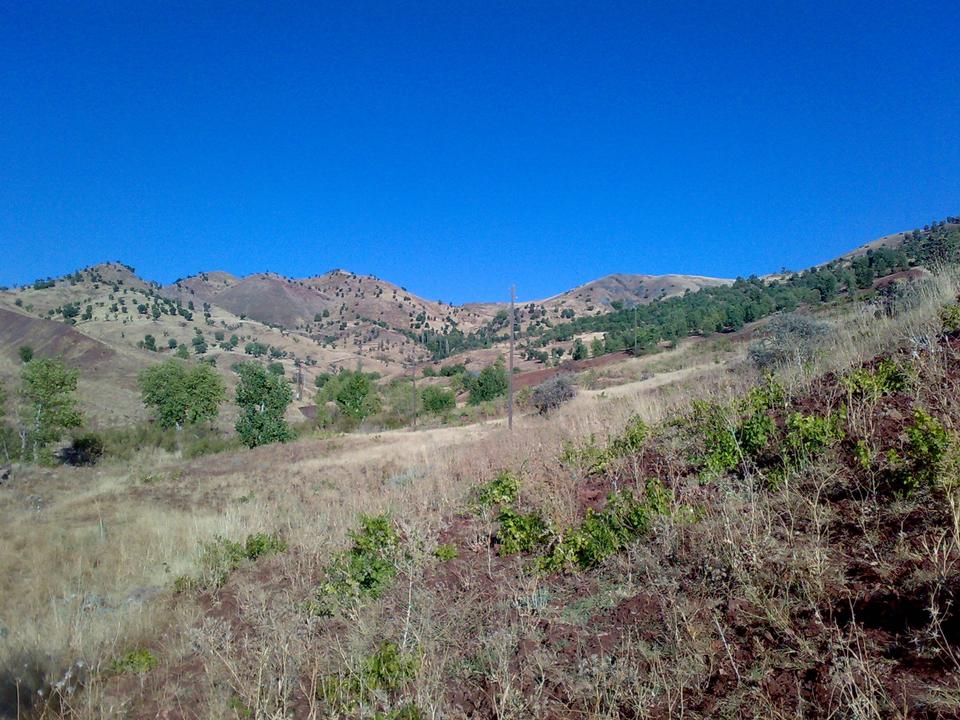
[26, 353]
[596, 347]
[489, 384]
[357, 397]
[263, 399]
[552, 393]
[182, 352]
[49, 408]
[150, 342]
[579, 350]
[437, 399]
[178, 396]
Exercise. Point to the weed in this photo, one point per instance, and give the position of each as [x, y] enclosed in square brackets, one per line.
[136, 661]
[596, 460]
[753, 434]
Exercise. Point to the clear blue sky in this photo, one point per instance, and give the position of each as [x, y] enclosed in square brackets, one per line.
[456, 147]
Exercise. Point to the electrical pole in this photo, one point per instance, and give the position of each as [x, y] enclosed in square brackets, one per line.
[513, 297]
[634, 328]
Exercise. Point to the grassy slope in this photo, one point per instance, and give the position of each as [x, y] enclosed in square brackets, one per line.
[818, 596]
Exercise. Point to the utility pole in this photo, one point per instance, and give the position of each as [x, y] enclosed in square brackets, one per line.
[513, 297]
[299, 380]
[414, 374]
[634, 328]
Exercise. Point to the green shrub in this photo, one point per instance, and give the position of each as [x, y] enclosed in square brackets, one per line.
[437, 399]
[364, 570]
[887, 377]
[808, 436]
[502, 490]
[135, 661]
[606, 532]
[596, 460]
[925, 452]
[86, 449]
[753, 434]
[721, 451]
[376, 679]
[521, 532]
[950, 317]
[445, 553]
[220, 557]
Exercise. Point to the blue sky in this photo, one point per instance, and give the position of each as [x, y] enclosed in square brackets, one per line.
[458, 147]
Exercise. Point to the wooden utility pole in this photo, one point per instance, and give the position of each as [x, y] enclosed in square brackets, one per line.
[513, 297]
[634, 328]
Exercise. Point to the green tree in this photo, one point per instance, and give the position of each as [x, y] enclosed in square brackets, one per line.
[49, 407]
[180, 396]
[182, 352]
[489, 384]
[263, 399]
[437, 399]
[357, 396]
[26, 353]
[596, 347]
[579, 350]
[150, 342]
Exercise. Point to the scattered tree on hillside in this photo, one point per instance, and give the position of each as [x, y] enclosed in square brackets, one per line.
[263, 399]
[49, 406]
[437, 399]
[489, 384]
[579, 350]
[26, 353]
[552, 393]
[179, 396]
[787, 339]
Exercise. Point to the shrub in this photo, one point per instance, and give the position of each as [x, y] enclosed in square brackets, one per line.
[887, 377]
[376, 679]
[950, 317]
[445, 553]
[221, 556]
[810, 435]
[437, 399]
[502, 490]
[135, 661]
[86, 449]
[490, 384]
[926, 450]
[26, 353]
[552, 393]
[364, 570]
[605, 532]
[787, 339]
[521, 532]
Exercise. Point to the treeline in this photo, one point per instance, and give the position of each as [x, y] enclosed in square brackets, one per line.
[724, 308]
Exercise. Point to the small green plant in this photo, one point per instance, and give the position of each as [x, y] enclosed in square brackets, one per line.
[721, 451]
[239, 707]
[521, 532]
[445, 553]
[926, 450]
[136, 661]
[379, 677]
[753, 434]
[950, 317]
[364, 570]
[863, 454]
[502, 490]
[596, 460]
[605, 532]
[221, 556]
[887, 377]
[808, 436]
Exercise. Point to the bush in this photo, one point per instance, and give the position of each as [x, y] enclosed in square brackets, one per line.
[490, 384]
[220, 557]
[787, 339]
[364, 570]
[886, 378]
[437, 399]
[552, 393]
[810, 435]
[926, 450]
[502, 490]
[26, 353]
[950, 317]
[135, 661]
[521, 532]
[86, 449]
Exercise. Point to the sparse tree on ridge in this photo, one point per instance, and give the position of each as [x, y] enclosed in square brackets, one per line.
[180, 396]
[49, 407]
[263, 399]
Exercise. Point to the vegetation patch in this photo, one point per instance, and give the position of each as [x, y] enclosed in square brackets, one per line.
[221, 556]
[374, 682]
[364, 570]
[136, 661]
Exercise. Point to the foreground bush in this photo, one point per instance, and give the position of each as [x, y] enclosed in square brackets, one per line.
[553, 393]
